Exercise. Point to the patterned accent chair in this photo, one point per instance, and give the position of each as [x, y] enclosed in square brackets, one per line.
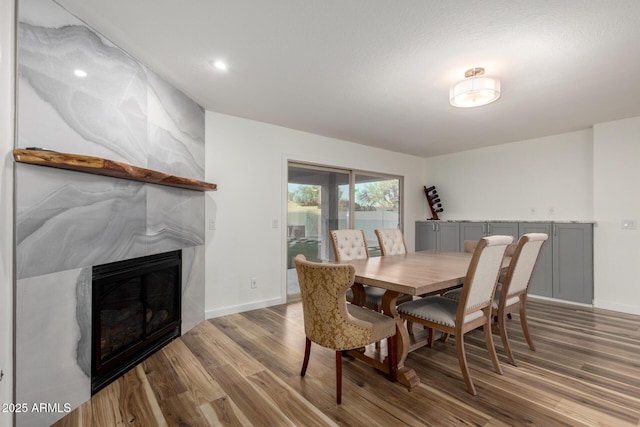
[330, 322]
[511, 297]
[472, 310]
[391, 241]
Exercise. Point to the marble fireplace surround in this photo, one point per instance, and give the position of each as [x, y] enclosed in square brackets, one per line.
[67, 221]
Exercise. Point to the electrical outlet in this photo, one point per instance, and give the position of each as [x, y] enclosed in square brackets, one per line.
[212, 224]
[254, 283]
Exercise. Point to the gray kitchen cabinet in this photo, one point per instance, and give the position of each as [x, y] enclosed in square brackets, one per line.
[564, 270]
[437, 235]
[573, 262]
[565, 267]
[478, 230]
[542, 280]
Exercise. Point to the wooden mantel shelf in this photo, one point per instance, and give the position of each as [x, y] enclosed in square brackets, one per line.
[105, 167]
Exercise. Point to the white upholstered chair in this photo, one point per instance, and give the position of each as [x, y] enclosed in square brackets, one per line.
[349, 245]
[391, 241]
[511, 296]
[330, 322]
[472, 310]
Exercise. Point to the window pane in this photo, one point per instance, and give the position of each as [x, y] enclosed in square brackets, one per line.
[377, 205]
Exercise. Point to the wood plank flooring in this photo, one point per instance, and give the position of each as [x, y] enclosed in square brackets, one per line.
[244, 370]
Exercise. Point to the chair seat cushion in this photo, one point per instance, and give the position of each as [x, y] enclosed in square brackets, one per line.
[382, 326]
[454, 294]
[373, 296]
[436, 309]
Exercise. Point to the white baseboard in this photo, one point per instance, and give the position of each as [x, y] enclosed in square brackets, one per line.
[605, 305]
[614, 306]
[223, 311]
[580, 304]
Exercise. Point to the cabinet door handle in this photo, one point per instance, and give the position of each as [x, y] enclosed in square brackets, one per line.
[433, 226]
[488, 229]
[555, 229]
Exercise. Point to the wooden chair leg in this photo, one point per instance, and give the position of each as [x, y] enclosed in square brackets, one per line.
[392, 357]
[488, 336]
[339, 377]
[505, 339]
[444, 337]
[410, 327]
[305, 362]
[431, 337]
[525, 327]
[462, 360]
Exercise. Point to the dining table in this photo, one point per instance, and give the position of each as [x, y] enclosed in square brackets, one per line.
[415, 273]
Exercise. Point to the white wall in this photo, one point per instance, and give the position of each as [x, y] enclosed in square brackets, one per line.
[589, 175]
[7, 63]
[247, 159]
[616, 147]
[552, 176]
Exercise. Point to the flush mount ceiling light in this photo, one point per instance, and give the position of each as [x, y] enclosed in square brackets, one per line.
[474, 91]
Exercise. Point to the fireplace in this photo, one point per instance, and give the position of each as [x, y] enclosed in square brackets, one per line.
[135, 311]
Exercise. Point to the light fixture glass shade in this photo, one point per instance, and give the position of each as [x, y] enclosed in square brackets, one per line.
[474, 92]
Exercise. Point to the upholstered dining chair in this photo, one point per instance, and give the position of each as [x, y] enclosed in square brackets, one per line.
[472, 310]
[391, 241]
[330, 322]
[351, 244]
[511, 296]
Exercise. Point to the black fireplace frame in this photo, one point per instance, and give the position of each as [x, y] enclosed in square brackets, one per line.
[103, 373]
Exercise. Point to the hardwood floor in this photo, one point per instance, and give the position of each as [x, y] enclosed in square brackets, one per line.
[244, 370]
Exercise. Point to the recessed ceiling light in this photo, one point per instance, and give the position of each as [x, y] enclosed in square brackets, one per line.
[220, 65]
[80, 73]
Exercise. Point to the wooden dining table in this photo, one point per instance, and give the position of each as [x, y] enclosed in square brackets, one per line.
[416, 273]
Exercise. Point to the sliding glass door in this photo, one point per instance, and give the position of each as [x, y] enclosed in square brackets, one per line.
[319, 200]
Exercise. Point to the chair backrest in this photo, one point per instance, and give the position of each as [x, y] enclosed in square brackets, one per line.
[470, 245]
[391, 241]
[322, 289]
[349, 244]
[522, 263]
[482, 276]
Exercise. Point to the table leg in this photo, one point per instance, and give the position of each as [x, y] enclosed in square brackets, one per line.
[359, 297]
[406, 376]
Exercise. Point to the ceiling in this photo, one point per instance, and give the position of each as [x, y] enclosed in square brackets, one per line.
[378, 72]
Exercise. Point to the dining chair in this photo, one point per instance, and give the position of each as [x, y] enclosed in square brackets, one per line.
[472, 310]
[351, 244]
[330, 322]
[391, 241]
[511, 297]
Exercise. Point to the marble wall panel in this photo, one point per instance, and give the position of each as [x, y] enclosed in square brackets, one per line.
[176, 130]
[48, 345]
[103, 114]
[175, 219]
[69, 220]
[192, 287]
